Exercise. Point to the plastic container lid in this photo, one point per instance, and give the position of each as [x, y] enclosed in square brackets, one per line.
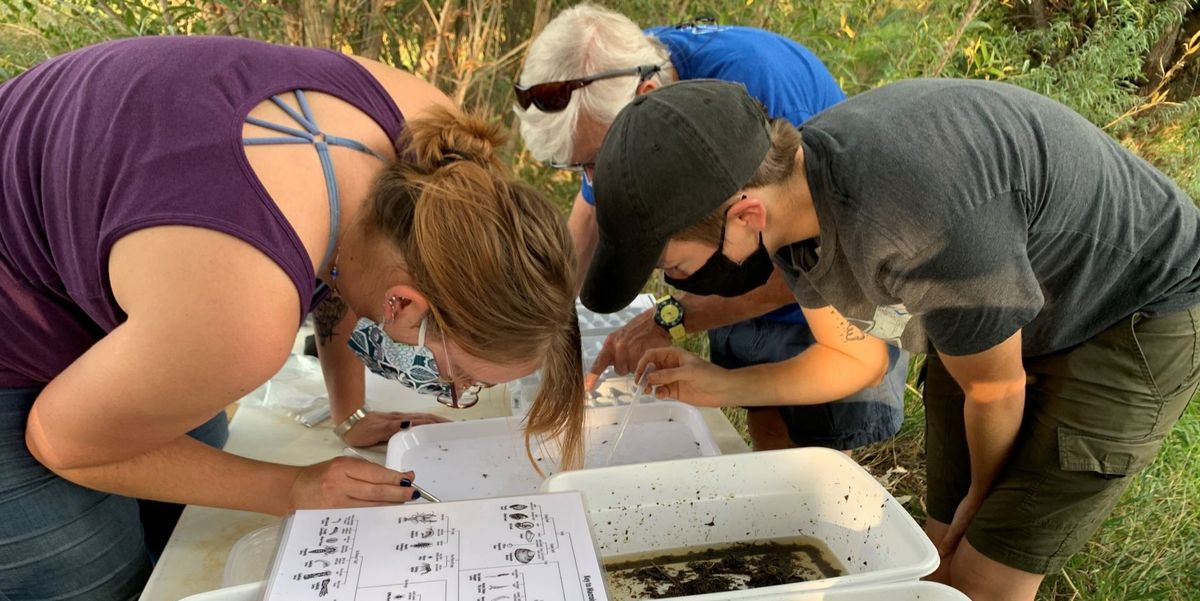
[250, 558]
[907, 591]
[244, 592]
[486, 458]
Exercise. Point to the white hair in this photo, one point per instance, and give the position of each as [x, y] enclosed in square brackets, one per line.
[583, 40]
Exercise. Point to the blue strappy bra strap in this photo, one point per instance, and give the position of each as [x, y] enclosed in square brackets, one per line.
[311, 134]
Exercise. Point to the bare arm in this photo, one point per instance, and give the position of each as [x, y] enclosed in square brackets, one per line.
[994, 385]
[191, 472]
[196, 338]
[624, 347]
[584, 233]
[703, 313]
[842, 362]
[333, 322]
[204, 327]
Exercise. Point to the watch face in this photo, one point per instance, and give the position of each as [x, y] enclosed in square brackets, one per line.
[669, 314]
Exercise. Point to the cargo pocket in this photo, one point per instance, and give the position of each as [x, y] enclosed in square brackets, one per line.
[1110, 458]
[1089, 485]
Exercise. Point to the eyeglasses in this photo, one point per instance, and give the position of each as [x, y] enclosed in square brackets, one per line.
[554, 96]
[583, 169]
[456, 400]
[698, 22]
[464, 400]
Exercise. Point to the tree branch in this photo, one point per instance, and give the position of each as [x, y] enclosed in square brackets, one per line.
[952, 45]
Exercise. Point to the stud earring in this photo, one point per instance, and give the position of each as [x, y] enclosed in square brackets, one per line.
[390, 315]
[392, 303]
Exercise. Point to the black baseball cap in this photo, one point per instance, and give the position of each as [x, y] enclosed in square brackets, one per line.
[670, 159]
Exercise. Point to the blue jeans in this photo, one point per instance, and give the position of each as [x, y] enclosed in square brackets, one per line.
[59, 540]
[868, 416]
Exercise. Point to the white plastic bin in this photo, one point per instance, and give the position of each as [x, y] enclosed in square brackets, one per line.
[907, 591]
[819, 493]
[602, 324]
[486, 458]
[594, 328]
[250, 557]
[247, 592]
[612, 390]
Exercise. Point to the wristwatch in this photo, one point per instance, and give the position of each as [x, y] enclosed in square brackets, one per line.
[668, 314]
[349, 422]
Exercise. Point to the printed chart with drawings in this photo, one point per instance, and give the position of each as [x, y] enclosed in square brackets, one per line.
[531, 548]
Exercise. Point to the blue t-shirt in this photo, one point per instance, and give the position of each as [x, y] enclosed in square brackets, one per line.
[786, 77]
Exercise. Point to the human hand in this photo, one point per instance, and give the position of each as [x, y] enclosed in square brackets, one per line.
[624, 347]
[684, 376]
[967, 508]
[350, 482]
[379, 426]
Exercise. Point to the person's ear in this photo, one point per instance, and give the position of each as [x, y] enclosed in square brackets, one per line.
[648, 86]
[749, 210]
[405, 307]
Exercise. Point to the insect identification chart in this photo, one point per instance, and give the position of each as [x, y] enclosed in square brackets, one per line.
[528, 548]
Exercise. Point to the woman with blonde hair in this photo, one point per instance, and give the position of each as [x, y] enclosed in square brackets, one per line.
[172, 209]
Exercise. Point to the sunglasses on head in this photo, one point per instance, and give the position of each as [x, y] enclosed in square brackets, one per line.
[554, 96]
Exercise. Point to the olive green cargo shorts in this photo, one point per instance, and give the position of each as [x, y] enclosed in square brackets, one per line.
[1095, 415]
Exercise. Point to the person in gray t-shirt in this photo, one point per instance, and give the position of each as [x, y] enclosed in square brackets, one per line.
[1051, 275]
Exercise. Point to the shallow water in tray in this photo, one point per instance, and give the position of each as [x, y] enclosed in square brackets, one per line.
[719, 568]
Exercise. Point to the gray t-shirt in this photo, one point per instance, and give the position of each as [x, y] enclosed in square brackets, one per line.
[954, 213]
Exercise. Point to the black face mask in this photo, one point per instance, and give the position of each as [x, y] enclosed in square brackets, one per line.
[721, 276]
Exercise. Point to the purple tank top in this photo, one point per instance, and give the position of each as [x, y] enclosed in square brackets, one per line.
[130, 134]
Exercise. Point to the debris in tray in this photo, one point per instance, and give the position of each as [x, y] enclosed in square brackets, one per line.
[701, 582]
[738, 566]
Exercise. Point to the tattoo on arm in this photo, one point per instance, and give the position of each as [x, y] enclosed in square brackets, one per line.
[849, 332]
[326, 316]
[853, 334]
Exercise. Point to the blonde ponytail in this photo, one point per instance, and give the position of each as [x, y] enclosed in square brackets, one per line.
[494, 259]
[558, 411]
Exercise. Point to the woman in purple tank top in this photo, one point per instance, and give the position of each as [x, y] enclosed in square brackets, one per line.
[171, 209]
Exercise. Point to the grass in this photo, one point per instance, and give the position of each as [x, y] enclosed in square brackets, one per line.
[1148, 549]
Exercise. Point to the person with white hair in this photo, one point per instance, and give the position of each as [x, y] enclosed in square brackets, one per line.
[582, 69]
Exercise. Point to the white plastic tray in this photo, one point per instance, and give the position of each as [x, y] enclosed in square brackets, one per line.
[907, 591]
[600, 324]
[594, 328]
[611, 392]
[486, 458]
[820, 493]
[246, 592]
[250, 558]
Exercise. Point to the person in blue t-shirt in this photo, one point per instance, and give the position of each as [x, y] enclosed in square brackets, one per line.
[582, 69]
